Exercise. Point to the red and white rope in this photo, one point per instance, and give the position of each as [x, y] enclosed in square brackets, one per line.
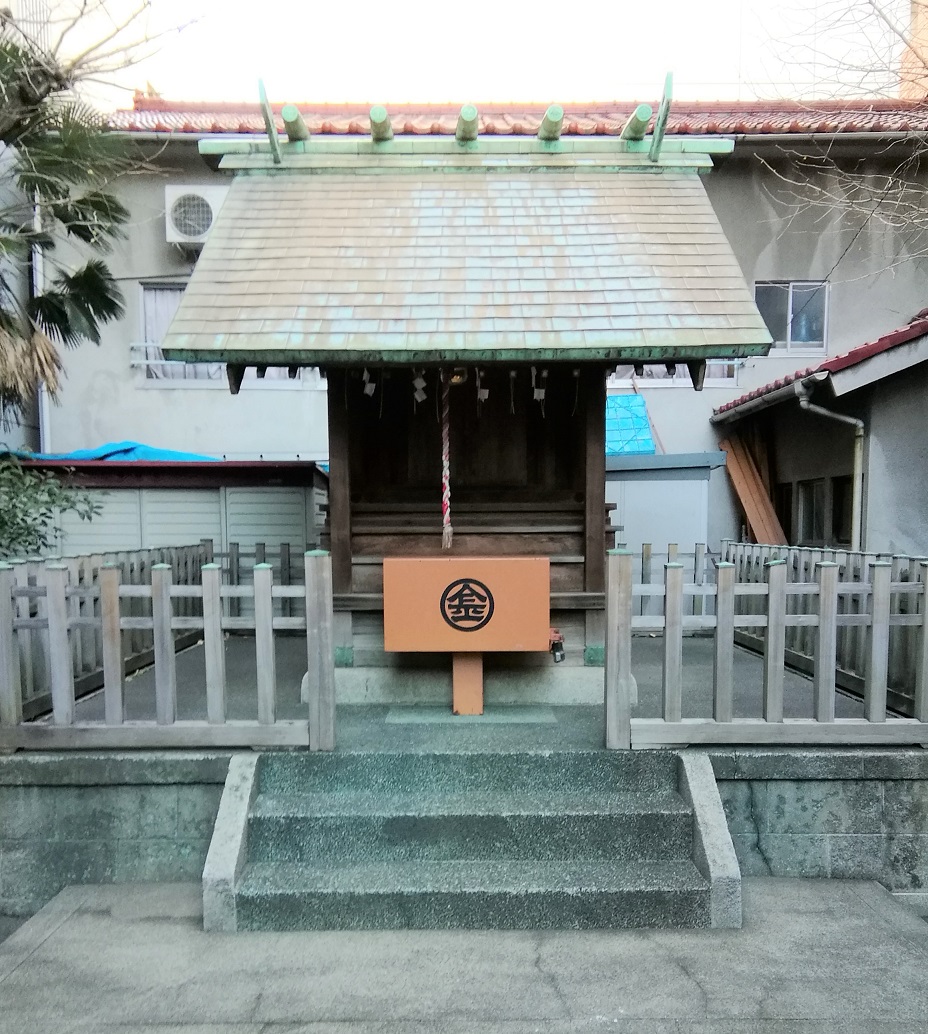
[447, 532]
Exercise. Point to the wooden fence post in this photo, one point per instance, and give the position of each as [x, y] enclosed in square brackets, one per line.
[285, 578]
[826, 641]
[165, 662]
[214, 647]
[25, 640]
[11, 693]
[618, 671]
[920, 710]
[724, 661]
[775, 640]
[699, 575]
[114, 670]
[61, 668]
[264, 644]
[234, 579]
[672, 678]
[878, 652]
[320, 650]
[645, 574]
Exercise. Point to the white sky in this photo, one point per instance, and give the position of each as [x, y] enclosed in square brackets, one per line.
[500, 50]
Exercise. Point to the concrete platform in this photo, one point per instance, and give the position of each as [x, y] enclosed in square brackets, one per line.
[814, 957]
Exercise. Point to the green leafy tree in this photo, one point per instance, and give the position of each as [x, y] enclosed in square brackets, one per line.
[58, 163]
[31, 501]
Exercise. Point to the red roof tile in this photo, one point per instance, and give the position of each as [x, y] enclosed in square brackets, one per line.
[154, 114]
[917, 328]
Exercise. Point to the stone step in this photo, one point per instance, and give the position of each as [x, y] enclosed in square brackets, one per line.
[541, 825]
[282, 773]
[500, 895]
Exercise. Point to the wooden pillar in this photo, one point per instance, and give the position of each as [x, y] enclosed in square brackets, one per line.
[339, 483]
[593, 387]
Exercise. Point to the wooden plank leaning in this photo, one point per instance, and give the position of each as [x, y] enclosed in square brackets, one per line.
[699, 575]
[165, 660]
[775, 640]
[61, 668]
[11, 694]
[724, 660]
[920, 710]
[264, 643]
[618, 670]
[214, 645]
[875, 684]
[114, 668]
[672, 679]
[24, 638]
[320, 650]
[826, 641]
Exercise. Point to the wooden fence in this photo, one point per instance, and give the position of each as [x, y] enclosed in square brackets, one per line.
[775, 606]
[29, 578]
[115, 606]
[851, 654]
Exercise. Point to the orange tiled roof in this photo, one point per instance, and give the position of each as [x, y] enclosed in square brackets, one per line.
[155, 114]
[917, 327]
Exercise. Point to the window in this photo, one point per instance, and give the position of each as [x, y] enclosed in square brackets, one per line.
[795, 312]
[811, 512]
[160, 303]
[719, 372]
[159, 306]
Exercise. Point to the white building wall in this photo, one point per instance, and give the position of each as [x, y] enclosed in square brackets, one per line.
[104, 399]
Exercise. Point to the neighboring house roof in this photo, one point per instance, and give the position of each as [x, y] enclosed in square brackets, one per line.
[776, 391]
[735, 118]
[628, 430]
[461, 258]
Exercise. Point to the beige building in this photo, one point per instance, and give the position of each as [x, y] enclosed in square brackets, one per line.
[826, 277]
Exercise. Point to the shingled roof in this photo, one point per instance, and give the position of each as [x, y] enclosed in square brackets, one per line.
[733, 118]
[474, 262]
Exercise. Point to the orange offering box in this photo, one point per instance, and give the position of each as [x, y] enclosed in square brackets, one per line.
[466, 604]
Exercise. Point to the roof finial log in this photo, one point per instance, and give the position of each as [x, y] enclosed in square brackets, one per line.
[637, 124]
[466, 131]
[293, 123]
[381, 127]
[550, 128]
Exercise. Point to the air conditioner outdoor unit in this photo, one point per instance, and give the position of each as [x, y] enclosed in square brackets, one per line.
[190, 211]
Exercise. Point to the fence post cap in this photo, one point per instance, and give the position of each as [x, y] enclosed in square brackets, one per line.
[56, 567]
[825, 563]
[264, 567]
[673, 563]
[161, 567]
[316, 552]
[210, 567]
[880, 563]
[774, 562]
[620, 552]
[722, 563]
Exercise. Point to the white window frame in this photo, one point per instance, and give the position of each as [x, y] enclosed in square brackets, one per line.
[141, 359]
[802, 347]
[681, 378]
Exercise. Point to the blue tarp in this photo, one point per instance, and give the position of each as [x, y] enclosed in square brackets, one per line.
[120, 452]
[628, 430]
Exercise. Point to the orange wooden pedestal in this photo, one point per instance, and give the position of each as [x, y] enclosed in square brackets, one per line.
[467, 683]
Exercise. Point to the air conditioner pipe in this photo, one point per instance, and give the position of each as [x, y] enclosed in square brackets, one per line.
[858, 482]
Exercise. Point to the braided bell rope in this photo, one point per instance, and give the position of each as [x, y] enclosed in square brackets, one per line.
[447, 532]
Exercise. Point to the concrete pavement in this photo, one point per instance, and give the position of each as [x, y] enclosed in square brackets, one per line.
[814, 957]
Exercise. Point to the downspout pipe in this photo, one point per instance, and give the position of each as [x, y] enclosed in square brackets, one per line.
[859, 430]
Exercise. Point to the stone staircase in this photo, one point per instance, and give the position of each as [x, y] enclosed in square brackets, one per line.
[587, 839]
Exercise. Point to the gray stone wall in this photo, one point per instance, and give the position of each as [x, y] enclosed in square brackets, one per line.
[103, 818]
[846, 814]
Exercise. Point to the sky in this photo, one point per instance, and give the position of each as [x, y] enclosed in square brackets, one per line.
[500, 50]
